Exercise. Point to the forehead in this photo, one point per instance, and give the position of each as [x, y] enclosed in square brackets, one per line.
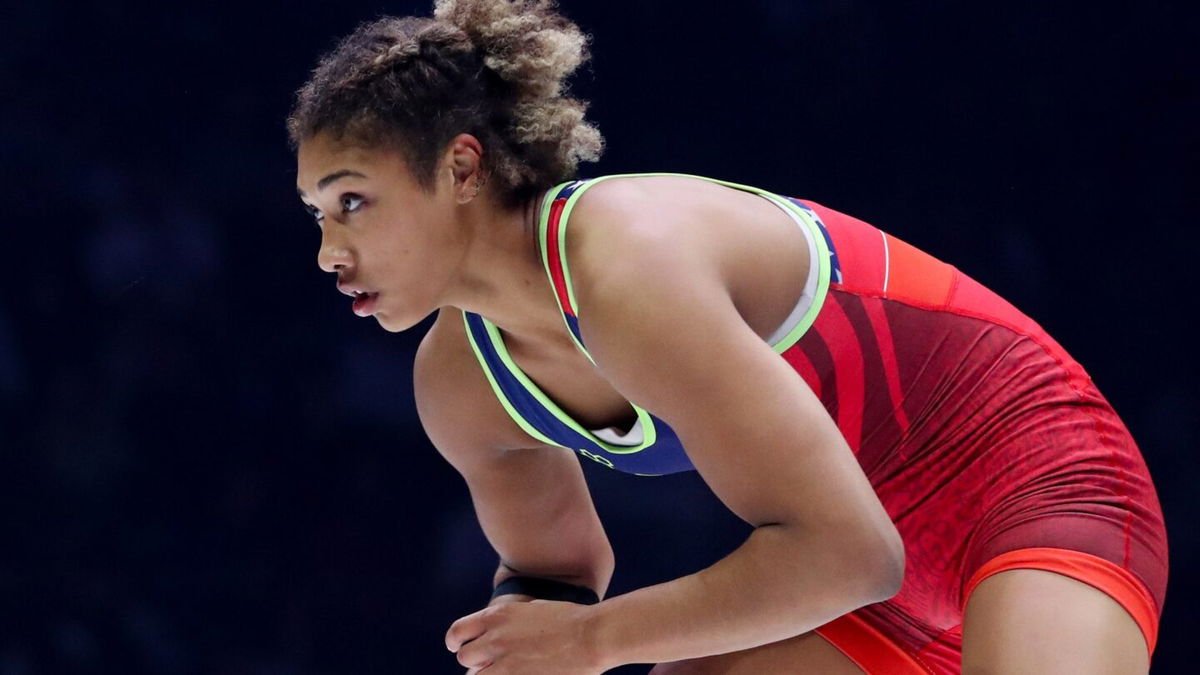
[322, 155]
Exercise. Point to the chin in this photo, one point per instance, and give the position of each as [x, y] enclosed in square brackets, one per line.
[389, 325]
[395, 325]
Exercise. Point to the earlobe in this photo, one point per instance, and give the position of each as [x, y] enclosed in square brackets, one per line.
[456, 182]
[470, 189]
[467, 184]
[466, 156]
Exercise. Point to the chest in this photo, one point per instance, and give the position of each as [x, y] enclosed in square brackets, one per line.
[564, 374]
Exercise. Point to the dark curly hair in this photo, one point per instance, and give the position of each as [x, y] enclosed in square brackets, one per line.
[491, 68]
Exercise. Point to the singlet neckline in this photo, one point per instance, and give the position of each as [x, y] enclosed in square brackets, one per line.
[643, 417]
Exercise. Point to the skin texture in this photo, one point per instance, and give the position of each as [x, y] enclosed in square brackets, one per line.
[728, 267]
[1033, 621]
[421, 251]
[1016, 622]
[807, 653]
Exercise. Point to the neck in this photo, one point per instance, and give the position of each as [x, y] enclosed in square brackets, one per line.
[501, 276]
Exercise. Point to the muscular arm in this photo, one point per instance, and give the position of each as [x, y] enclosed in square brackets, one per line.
[661, 324]
[531, 500]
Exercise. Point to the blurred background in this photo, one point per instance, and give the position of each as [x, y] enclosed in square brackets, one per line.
[211, 466]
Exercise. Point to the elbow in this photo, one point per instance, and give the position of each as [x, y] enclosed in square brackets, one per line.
[893, 576]
[886, 567]
[602, 569]
[872, 565]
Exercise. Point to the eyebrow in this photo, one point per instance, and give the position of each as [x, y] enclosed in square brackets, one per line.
[336, 175]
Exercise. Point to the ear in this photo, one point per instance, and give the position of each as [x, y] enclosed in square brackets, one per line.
[464, 156]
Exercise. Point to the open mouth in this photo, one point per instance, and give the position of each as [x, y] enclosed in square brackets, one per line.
[364, 303]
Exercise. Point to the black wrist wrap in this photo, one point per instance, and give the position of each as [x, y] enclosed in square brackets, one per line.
[546, 589]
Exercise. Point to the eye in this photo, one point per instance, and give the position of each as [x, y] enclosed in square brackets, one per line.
[351, 202]
[314, 212]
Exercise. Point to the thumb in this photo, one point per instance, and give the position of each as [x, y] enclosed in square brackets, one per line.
[465, 629]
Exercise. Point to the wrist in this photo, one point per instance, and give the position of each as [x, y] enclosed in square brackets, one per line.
[600, 651]
[546, 589]
[510, 597]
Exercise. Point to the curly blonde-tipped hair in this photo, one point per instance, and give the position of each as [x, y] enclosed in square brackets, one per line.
[492, 68]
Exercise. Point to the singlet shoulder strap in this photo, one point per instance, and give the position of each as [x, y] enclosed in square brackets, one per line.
[552, 236]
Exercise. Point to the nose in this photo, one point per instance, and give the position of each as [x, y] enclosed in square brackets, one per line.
[332, 256]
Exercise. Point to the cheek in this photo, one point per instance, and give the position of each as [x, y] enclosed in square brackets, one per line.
[420, 252]
[412, 256]
[403, 237]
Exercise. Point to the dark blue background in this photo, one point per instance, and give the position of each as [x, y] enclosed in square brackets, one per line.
[211, 466]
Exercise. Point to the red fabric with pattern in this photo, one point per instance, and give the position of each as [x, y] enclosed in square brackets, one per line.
[979, 433]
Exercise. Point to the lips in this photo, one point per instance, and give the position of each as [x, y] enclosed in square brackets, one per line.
[364, 303]
[364, 299]
[348, 287]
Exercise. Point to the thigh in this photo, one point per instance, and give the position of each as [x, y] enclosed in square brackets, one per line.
[1034, 621]
[807, 653]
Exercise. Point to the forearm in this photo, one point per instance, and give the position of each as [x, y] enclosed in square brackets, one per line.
[780, 583]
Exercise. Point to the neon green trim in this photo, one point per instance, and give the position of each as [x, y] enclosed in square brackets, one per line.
[824, 272]
[512, 412]
[648, 430]
[824, 268]
[543, 237]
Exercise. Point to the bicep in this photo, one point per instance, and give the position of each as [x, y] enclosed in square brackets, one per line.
[455, 402]
[531, 499]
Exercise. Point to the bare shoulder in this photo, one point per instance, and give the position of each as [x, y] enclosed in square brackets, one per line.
[640, 270]
[456, 403]
[631, 201]
[648, 229]
[629, 221]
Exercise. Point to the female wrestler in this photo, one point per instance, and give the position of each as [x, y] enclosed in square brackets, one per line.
[935, 484]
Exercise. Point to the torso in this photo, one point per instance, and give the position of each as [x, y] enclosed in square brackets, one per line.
[765, 259]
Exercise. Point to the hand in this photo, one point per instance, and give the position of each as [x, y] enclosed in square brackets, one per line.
[526, 638]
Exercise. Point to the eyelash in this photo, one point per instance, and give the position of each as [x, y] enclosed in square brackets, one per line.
[315, 213]
[348, 197]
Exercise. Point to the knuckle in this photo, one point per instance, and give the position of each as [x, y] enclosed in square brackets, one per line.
[469, 656]
[501, 612]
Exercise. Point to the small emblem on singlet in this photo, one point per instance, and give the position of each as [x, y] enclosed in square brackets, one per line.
[597, 458]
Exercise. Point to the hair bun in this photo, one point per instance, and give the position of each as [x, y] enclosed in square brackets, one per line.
[492, 68]
[525, 42]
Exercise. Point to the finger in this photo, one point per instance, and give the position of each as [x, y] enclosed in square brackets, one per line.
[474, 655]
[465, 629]
[484, 670]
